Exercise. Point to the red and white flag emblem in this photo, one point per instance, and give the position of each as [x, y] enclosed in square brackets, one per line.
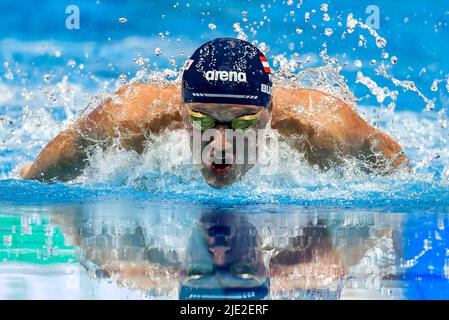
[265, 64]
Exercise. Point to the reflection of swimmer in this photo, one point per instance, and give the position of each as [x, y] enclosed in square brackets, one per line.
[224, 260]
[228, 254]
[226, 85]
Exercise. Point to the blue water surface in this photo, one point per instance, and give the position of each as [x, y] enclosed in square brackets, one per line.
[49, 73]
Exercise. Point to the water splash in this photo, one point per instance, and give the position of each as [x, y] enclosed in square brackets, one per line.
[351, 24]
[380, 93]
[325, 78]
[408, 85]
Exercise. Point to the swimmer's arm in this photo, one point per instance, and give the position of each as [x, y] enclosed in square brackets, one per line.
[326, 127]
[134, 112]
[62, 159]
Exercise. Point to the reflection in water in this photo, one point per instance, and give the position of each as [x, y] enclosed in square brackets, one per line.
[206, 253]
[224, 260]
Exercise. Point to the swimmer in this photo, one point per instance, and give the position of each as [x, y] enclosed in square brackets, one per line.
[226, 85]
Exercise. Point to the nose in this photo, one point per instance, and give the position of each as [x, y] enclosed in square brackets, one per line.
[220, 142]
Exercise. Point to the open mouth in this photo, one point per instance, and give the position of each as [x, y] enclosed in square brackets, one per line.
[220, 169]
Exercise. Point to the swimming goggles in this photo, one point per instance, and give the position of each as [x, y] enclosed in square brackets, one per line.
[204, 121]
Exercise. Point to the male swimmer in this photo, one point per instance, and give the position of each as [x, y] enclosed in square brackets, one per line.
[226, 85]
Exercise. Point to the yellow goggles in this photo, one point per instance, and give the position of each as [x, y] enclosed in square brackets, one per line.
[204, 121]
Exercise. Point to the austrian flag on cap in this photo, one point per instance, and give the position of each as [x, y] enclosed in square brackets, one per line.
[265, 64]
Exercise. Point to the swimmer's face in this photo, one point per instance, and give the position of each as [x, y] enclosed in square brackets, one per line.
[218, 160]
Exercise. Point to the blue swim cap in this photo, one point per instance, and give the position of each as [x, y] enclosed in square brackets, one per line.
[228, 71]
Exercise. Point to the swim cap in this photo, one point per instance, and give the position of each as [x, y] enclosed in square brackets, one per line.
[228, 71]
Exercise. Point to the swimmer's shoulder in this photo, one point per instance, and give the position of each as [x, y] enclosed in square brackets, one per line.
[305, 98]
[319, 112]
[309, 104]
[149, 93]
[138, 105]
[138, 101]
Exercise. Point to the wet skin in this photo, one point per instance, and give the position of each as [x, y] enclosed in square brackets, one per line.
[323, 128]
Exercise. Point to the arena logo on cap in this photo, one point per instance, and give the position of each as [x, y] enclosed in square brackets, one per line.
[225, 76]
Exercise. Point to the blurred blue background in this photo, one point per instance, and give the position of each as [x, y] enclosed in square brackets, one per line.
[416, 33]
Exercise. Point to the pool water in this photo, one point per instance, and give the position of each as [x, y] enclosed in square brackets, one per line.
[137, 227]
[163, 250]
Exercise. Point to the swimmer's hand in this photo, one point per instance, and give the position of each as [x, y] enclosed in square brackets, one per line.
[24, 170]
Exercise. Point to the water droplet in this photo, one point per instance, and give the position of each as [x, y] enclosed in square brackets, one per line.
[351, 23]
[326, 17]
[123, 78]
[307, 16]
[212, 26]
[394, 60]
[9, 75]
[122, 20]
[362, 41]
[263, 47]
[328, 32]
[71, 63]
[140, 61]
[157, 51]
[241, 35]
[299, 31]
[358, 63]
[381, 42]
[47, 77]
[324, 7]
[435, 84]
